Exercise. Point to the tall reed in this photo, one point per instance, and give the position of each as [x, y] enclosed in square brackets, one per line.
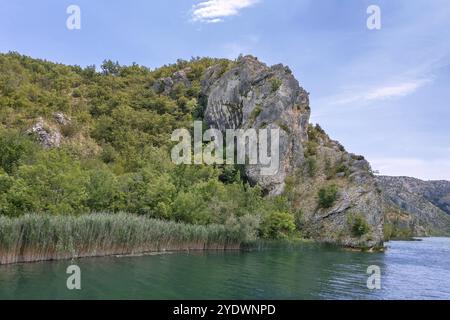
[35, 237]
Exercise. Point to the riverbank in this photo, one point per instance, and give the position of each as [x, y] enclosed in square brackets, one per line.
[32, 238]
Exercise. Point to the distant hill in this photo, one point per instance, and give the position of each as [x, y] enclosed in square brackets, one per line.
[423, 207]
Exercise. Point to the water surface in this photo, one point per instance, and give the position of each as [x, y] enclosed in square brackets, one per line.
[410, 270]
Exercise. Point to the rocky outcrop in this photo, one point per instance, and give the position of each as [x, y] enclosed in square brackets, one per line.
[166, 85]
[48, 133]
[423, 207]
[48, 136]
[254, 95]
[328, 164]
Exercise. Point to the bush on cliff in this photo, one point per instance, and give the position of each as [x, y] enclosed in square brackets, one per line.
[327, 196]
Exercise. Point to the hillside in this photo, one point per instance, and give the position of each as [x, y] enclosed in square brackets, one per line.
[75, 141]
[417, 207]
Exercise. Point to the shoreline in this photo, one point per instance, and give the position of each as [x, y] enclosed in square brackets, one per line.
[246, 246]
[35, 238]
[32, 238]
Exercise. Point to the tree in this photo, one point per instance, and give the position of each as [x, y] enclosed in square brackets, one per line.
[54, 184]
[111, 68]
[278, 225]
[13, 149]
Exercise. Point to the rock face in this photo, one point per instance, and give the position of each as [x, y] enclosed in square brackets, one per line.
[254, 95]
[47, 135]
[424, 206]
[358, 198]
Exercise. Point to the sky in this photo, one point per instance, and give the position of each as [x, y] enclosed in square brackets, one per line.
[382, 93]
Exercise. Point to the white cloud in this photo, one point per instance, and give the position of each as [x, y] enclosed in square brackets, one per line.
[398, 90]
[213, 11]
[371, 94]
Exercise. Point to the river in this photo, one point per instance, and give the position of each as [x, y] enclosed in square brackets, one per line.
[409, 270]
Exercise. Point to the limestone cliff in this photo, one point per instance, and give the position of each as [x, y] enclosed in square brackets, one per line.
[254, 95]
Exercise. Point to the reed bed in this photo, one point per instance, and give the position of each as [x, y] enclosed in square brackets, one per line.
[35, 237]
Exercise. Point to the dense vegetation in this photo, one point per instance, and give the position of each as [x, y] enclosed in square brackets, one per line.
[45, 237]
[115, 152]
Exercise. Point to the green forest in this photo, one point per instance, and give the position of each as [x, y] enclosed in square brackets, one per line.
[114, 155]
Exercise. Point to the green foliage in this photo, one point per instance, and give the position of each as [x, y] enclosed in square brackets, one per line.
[315, 132]
[111, 68]
[69, 130]
[392, 230]
[339, 167]
[276, 84]
[254, 114]
[55, 184]
[359, 225]
[232, 174]
[311, 166]
[278, 225]
[14, 148]
[328, 195]
[102, 191]
[311, 148]
[115, 152]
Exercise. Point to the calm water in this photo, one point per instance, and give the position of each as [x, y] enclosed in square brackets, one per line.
[410, 270]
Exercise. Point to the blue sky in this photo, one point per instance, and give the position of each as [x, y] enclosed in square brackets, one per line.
[382, 93]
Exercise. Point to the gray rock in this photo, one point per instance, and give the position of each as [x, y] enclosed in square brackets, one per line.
[47, 136]
[166, 85]
[425, 205]
[253, 95]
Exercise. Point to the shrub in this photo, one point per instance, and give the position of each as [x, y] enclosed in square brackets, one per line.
[311, 148]
[340, 167]
[102, 190]
[13, 149]
[359, 225]
[69, 130]
[311, 166]
[54, 184]
[328, 195]
[276, 84]
[278, 225]
[314, 132]
[255, 113]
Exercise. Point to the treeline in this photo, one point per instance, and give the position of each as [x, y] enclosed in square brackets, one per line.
[114, 155]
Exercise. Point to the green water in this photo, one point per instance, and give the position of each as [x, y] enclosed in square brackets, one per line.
[409, 270]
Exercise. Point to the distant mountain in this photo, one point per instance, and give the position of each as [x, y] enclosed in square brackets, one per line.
[420, 207]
